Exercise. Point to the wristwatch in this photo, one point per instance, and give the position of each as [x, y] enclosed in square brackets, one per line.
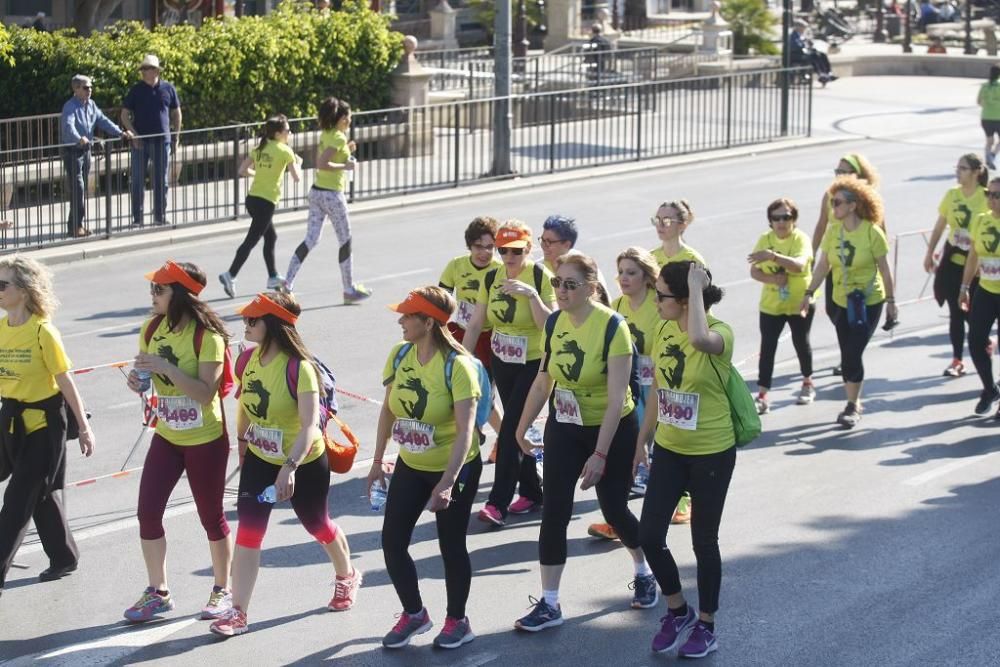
[290, 463]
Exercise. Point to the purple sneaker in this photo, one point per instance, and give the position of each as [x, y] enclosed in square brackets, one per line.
[673, 629]
[700, 643]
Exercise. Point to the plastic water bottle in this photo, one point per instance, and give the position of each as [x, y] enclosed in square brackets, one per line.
[783, 293]
[534, 435]
[350, 174]
[145, 380]
[268, 495]
[641, 480]
[539, 454]
[377, 494]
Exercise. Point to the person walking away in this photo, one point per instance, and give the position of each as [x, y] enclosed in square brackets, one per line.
[989, 100]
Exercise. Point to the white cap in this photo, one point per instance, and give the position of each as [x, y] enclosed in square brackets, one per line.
[150, 61]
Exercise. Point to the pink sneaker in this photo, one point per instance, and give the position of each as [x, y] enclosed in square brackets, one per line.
[232, 624]
[522, 506]
[491, 514]
[345, 589]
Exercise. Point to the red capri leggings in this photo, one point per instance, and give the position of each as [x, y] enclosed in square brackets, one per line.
[205, 466]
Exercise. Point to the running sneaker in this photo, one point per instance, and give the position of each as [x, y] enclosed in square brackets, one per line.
[219, 603]
[955, 369]
[700, 643]
[836, 370]
[233, 623]
[356, 294]
[228, 284]
[646, 594]
[763, 406]
[491, 514]
[277, 283]
[602, 530]
[986, 400]
[673, 630]
[522, 506]
[641, 480]
[989, 161]
[149, 605]
[541, 617]
[456, 632]
[807, 394]
[345, 590]
[682, 513]
[850, 417]
[406, 627]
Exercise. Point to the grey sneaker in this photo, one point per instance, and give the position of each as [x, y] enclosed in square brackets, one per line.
[646, 593]
[406, 628]
[356, 294]
[807, 394]
[762, 404]
[455, 633]
[277, 283]
[228, 284]
[850, 417]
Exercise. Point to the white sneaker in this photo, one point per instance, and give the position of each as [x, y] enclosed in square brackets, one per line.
[277, 283]
[228, 284]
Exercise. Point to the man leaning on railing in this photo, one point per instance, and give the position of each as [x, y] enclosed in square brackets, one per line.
[80, 117]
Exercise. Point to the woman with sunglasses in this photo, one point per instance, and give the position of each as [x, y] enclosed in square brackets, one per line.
[695, 449]
[672, 219]
[782, 261]
[515, 300]
[284, 448]
[40, 405]
[960, 206]
[983, 304]
[855, 250]
[183, 346]
[431, 391]
[590, 433]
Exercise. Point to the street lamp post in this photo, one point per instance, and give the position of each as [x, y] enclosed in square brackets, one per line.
[786, 62]
[970, 49]
[880, 35]
[521, 31]
[501, 105]
[907, 31]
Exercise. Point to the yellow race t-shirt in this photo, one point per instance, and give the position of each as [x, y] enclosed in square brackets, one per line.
[642, 323]
[959, 211]
[798, 246]
[463, 279]
[692, 407]
[861, 250]
[31, 355]
[687, 253]
[179, 419]
[269, 165]
[576, 364]
[986, 241]
[424, 407]
[333, 179]
[990, 93]
[516, 337]
[273, 411]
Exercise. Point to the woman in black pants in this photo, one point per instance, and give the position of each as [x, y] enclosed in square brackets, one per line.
[515, 300]
[431, 391]
[590, 432]
[695, 449]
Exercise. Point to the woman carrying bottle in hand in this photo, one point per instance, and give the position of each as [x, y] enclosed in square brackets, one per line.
[284, 448]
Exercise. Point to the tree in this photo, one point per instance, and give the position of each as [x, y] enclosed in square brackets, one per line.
[753, 26]
[91, 15]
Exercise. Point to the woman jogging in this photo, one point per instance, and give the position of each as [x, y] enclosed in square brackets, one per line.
[672, 219]
[989, 100]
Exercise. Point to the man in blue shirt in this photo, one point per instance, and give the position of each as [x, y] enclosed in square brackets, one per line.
[80, 117]
[152, 111]
[801, 52]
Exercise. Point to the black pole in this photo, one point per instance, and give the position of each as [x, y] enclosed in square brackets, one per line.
[907, 30]
[880, 35]
[520, 31]
[970, 50]
[786, 62]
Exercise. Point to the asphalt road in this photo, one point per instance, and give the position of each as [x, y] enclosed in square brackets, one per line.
[873, 547]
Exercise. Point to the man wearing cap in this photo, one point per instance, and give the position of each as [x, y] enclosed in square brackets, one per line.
[80, 117]
[151, 110]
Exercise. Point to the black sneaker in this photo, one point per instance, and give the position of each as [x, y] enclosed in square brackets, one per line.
[986, 400]
[541, 617]
[406, 628]
[850, 417]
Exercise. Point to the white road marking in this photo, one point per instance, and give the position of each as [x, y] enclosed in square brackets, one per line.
[942, 470]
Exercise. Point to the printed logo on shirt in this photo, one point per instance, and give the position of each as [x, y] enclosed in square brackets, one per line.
[673, 375]
[847, 254]
[415, 408]
[963, 215]
[991, 246]
[570, 348]
[166, 352]
[471, 285]
[256, 387]
[506, 314]
[637, 336]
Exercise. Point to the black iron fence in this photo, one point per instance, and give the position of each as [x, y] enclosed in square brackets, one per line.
[408, 150]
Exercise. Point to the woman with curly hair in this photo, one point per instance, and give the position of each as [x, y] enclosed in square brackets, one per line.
[855, 249]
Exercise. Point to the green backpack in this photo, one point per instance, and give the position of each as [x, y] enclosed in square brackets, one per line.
[746, 421]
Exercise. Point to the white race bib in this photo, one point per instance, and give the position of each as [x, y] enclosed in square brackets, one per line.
[414, 436]
[267, 440]
[645, 371]
[567, 407]
[510, 349]
[179, 412]
[677, 408]
[961, 239]
[463, 314]
[990, 268]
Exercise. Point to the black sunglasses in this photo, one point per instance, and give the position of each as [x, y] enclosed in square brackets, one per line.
[4, 284]
[513, 251]
[660, 296]
[784, 217]
[158, 290]
[250, 321]
[568, 283]
[993, 195]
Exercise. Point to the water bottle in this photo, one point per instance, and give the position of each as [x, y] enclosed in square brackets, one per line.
[350, 174]
[377, 494]
[783, 292]
[539, 454]
[145, 380]
[534, 435]
[268, 495]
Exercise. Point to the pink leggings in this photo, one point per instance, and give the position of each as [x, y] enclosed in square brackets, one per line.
[205, 466]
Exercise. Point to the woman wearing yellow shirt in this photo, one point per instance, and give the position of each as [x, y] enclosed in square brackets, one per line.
[284, 448]
[672, 219]
[515, 300]
[782, 261]
[431, 391]
[40, 404]
[960, 206]
[695, 449]
[989, 100]
[984, 304]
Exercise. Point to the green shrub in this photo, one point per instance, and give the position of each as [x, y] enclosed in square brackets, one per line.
[5, 47]
[753, 26]
[227, 71]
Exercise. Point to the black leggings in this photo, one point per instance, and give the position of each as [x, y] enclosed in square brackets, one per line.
[984, 313]
[947, 281]
[512, 468]
[770, 330]
[707, 479]
[853, 341]
[567, 448]
[409, 493]
[261, 225]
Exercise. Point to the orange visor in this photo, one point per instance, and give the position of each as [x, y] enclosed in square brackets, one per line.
[513, 238]
[261, 306]
[172, 273]
[415, 303]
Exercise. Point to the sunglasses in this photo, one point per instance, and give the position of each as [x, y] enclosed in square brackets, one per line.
[660, 296]
[784, 217]
[4, 284]
[483, 247]
[993, 195]
[843, 172]
[962, 167]
[250, 321]
[663, 222]
[838, 202]
[547, 242]
[513, 251]
[158, 290]
[568, 283]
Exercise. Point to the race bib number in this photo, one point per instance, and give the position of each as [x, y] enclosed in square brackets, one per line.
[677, 408]
[961, 239]
[510, 349]
[990, 268]
[463, 314]
[645, 371]
[179, 412]
[567, 407]
[412, 435]
[267, 440]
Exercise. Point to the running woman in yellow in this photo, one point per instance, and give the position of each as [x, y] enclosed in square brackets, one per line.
[515, 300]
[267, 164]
[672, 219]
[431, 391]
[960, 206]
[782, 261]
[989, 100]
[284, 449]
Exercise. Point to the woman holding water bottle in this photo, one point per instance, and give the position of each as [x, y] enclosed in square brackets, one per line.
[431, 391]
[285, 453]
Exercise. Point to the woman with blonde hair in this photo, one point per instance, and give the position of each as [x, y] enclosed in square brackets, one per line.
[41, 410]
[672, 219]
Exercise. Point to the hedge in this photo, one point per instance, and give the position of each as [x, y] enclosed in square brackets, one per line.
[226, 71]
